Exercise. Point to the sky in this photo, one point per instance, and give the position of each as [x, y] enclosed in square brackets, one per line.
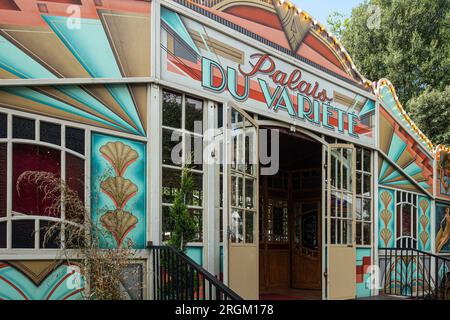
[321, 9]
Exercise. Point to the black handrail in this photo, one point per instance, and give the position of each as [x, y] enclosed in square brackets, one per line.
[414, 273]
[178, 277]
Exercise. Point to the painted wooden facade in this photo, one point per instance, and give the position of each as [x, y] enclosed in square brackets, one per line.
[84, 89]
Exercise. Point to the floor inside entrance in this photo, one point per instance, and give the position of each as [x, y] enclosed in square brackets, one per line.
[291, 294]
[290, 256]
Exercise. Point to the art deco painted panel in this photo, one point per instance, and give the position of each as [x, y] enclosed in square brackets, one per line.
[40, 280]
[74, 39]
[386, 214]
[118, 182]
[408, 160]
[442, 244]
[424, 239]
[281, 26]
[202, 58]
[117, 107]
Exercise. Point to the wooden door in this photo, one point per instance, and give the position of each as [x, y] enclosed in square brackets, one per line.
[306, 240]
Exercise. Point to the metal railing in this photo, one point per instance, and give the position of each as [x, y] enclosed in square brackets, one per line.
[413, 273]
[178, 277]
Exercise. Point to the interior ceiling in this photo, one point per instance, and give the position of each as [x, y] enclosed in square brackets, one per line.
[297, 152]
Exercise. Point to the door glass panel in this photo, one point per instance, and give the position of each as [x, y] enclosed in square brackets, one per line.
[341, 195]
[237, 226]
[249, 194]
[249, 226]
[243, 179]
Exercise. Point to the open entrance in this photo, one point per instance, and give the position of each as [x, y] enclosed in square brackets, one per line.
[290, 225]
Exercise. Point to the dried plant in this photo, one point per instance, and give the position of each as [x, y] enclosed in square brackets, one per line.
[80, 238]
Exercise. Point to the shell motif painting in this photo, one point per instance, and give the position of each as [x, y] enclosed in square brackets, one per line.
[119, 223]
[119, 189]
[423, 220]
[120, 155]
[386, 216]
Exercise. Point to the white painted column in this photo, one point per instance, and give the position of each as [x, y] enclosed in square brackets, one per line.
[154, 155]
[210, 230]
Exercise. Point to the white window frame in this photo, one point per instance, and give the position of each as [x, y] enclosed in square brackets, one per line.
[184, 133]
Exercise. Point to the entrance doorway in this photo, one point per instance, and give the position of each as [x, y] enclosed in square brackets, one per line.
[290, 225]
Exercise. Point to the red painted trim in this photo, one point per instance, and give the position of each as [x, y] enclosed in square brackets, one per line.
[14, 286]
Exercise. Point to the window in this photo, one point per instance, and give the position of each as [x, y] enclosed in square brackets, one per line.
[364, 193]
[363, 196]
[406, 219]
[182, 143]
[36, 146]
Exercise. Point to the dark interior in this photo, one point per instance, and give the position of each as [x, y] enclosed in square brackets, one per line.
[290, 228]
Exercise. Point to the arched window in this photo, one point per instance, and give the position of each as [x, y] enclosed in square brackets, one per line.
[35, 145]
[406, 220]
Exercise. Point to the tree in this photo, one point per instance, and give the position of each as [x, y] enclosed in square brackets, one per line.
[431, 112]
[338, 23]
[406, 41]
[183, 223]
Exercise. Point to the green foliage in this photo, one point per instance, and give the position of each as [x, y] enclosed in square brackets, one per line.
[338, 23]
[431, 112]
[184, 227]
[406, 41]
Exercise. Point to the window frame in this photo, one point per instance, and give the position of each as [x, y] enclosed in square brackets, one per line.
[203, 172]
[414, 214]
[361, 196]
[61, 148]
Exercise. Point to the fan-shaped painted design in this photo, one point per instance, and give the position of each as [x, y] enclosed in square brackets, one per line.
[120, 190]
[119, 223]
[424, 215]
[389, 99]
[412, 163]
[405, 276]
[122, 218]
[105, 42]
[386, 202]
[119, 155]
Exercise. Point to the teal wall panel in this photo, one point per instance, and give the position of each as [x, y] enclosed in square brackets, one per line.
[386, 218]
[118, 186]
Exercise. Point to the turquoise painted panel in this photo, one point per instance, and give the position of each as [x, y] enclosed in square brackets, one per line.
[368, 107]
[386, 218]
[88, 43]
[118, 187]
[424, 222]
[196, 254]
[53, 103]
[64, 283]
[82, 96]
[173, 20]
[122, 95]
[18, 63]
